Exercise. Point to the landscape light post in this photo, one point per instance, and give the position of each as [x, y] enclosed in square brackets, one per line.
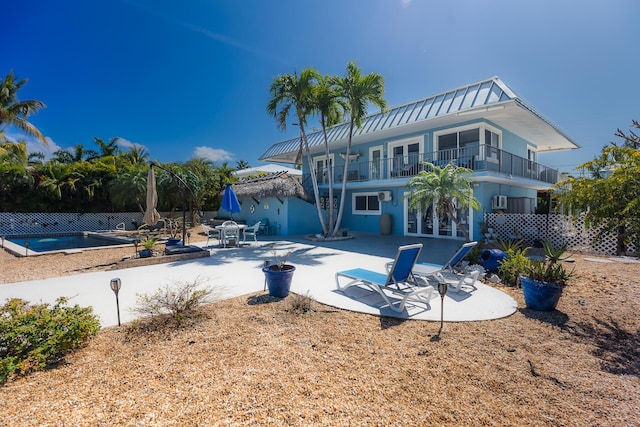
[116, 284]
[442, 290]
[26, 248]
[136, 242]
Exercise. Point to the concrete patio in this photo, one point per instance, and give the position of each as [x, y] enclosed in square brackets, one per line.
[237, 271]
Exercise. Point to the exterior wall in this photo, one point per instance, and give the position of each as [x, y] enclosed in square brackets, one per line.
[484, 191]
[294, 216]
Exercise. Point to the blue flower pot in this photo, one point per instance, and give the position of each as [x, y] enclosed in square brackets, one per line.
[173, 242]
[146, 253]
[279, 281]
[540, 296]
[491, 258]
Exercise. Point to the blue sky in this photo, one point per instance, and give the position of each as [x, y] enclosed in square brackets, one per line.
[191, 79]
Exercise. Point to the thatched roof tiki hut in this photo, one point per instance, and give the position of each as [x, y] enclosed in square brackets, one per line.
[281, 200]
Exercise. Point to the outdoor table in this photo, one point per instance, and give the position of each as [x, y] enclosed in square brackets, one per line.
[241, 228]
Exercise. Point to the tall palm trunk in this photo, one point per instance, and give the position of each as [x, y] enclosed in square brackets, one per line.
[344, 181]
[331, 221]
[314, 178]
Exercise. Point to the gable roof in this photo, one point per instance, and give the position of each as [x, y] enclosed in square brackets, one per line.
[491, 99]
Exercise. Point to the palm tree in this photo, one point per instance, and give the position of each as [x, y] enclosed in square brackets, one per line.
[62, 156]
[448, 189]
[330, 108]
[241, 164]
[136, 155]
[357, 92]
[107, 149]
[14, 112]
[292, 92]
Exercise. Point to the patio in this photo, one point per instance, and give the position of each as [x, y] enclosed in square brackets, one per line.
[237, 271]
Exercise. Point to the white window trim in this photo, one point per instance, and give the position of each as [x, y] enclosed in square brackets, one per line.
[367, 212]
[381, 165]
[404, 143]
[534, 150]
[480, 126]
[323, 157]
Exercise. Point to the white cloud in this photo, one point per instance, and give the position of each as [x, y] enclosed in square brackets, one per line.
[125, 143]
[34, 145]
[213, 154]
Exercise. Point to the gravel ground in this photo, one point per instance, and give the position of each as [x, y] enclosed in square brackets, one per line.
[256, 361]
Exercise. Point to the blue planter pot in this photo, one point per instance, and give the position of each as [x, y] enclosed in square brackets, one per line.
[540, 296]
[491, 258]
[173, 242]
[279, 281]
[146, 253]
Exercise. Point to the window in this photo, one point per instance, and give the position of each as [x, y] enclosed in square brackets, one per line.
[322, 169]
[366, 203]
[460, 146]
[406, 156]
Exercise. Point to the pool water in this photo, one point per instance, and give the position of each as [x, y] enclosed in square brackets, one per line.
[48, 243]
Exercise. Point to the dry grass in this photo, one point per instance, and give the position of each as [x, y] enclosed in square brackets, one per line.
[254, 360]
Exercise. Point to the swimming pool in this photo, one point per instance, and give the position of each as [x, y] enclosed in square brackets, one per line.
[34, 244]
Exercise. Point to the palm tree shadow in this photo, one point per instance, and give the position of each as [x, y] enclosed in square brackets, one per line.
[617, 349]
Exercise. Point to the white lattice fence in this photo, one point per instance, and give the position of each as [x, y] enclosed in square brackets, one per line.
[558, 229]
[38, 223]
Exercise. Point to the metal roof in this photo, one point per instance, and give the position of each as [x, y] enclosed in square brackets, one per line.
[476, 100]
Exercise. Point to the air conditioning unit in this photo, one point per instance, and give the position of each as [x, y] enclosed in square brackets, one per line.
[499, 202]
[384, 196]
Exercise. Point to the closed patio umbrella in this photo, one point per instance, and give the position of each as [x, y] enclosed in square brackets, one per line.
[230, 201]
[151, 215]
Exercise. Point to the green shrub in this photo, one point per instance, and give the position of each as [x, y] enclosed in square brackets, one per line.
[180, 300]
[515, 262]
[34, 336]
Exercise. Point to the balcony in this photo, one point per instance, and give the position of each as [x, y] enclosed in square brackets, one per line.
[479, 158]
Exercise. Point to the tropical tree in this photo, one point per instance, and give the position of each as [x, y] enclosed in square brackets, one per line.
[129, 188]
[290, 92]
[328, 105]
[136, 155]
[241, 164]
[15, 175]
[209, 186]
[447, 189]
[610, 199]
[14, 112]
[107, 149]
[62, 156]
[357, 92]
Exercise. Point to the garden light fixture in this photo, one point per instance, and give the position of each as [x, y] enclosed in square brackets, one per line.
[116, 284]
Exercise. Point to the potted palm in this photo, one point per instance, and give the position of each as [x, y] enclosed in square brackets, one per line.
[148, 243]
[543, 280]
[279, 275]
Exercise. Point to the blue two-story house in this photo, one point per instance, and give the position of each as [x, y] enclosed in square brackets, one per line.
[483, 126]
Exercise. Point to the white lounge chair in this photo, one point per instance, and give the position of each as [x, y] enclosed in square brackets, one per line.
[399, 280]
[449, 271]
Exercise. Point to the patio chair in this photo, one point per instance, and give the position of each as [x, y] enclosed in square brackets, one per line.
[251, 231]
[210, 233]
[399, 280]
[230, 232]
[450, 271]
